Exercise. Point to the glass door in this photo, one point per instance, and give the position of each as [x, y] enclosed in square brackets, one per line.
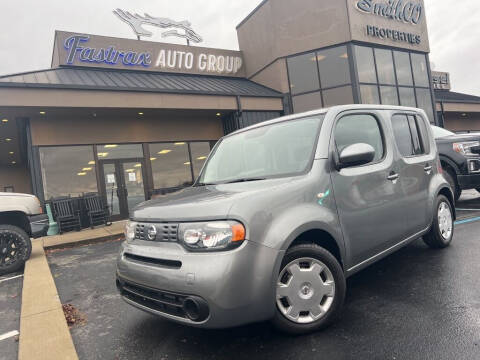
[123, 186]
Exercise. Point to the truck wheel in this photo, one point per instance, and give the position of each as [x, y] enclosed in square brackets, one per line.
[310, 290]
[441, 233]
[451, 179]
[15, 248]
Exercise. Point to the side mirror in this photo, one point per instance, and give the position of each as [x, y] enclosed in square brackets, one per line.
[356, 155]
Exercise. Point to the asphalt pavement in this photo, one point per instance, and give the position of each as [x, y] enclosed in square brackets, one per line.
[416, 304]
[10, 304]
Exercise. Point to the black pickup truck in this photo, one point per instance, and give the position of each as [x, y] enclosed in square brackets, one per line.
[460, 158]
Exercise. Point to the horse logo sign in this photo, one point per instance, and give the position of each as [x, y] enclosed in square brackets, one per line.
[137, 21]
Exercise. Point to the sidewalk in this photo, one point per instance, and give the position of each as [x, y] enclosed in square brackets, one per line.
[84, 237]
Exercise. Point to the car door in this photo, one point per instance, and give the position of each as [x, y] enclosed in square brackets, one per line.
[416, 167]
[368, 197]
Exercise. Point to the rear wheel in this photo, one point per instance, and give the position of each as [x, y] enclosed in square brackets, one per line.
[310, 290]
[441, 233]
[452, 180]
[15, 248]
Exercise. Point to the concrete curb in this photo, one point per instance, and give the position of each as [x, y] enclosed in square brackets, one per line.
[44, 333]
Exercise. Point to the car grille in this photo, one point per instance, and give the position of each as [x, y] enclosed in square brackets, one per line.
[165, 232]
[162, 301]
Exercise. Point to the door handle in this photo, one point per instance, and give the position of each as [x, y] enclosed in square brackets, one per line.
[428, 168]
[393, 176]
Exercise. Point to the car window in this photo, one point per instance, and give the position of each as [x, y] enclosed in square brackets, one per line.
[407, 135]
[422, 126]
[359, 128]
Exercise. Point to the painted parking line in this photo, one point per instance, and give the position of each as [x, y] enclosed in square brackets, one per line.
[14, 277]
[9, 335]
[458, 209]
[466, 221]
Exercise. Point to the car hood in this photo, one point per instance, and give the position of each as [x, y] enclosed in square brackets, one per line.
[459, 138]
[202, 202]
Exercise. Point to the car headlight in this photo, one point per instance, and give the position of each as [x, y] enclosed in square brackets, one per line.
[130, 230]
[465, 148]
[212, 235]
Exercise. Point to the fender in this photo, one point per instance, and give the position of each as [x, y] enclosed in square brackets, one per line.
[451, 163]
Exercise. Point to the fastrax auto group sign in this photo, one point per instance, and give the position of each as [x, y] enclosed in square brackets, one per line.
[400, 10]
[73, 49]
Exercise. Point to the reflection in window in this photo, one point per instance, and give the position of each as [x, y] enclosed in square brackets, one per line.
[338, 96]
[116, 151]
[369, 94]
[365, 64]
[68, 170]
[307, 102]
[170, 165]
[389, 95]
[359, 128]
[200, 151]
[420, 71]
[404, 70]
[424, 98]
[334, 67]
[407, 97]
[386, 73]
[403, 137]
[303, 73]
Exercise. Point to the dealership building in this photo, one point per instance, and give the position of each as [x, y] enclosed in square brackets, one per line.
[132, 119]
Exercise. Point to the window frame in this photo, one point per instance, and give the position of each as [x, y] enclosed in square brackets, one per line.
[382, 134]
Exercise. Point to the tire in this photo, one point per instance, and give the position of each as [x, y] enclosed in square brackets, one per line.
[452, 180]
[15, 242]
[328, 297]
[438, 237]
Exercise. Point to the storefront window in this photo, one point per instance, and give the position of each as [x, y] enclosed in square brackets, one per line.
[385, 70]
[369, 94]
[338, 96]
[404, 70]
[424, 99]
[200, 152]
[420, 71]
[307, 102]
[68, 170]
[365, 64]
[389, 95]
[303, 73]
[116, 151]
[170, 165]
[334, 67]
[407, 97]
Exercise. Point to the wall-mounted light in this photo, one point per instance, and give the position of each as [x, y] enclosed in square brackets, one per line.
[87, 169]
[111, 146]
[102, 155]
[464, 115]
[140, 113]
[179, 143]
[11, 153]
[153, 158]
[8, 139]
[91, 162]
[219, 114]
[14, 162]
[138, 165]
[201, 158]
[82, 174]
[187, 163]
[163, 152]
[42, 112]
[4, 120]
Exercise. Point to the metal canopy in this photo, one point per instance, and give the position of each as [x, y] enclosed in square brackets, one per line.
[455, 97]
[116, 80]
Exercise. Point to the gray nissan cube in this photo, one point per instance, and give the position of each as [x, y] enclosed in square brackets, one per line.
[282, 213]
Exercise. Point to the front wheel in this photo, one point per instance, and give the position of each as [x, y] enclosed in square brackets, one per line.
[441, 233]
[15, 248]
[310, 290]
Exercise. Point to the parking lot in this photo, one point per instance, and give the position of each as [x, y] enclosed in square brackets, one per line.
[416, 304]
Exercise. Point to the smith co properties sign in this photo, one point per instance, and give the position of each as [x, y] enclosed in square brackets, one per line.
[405, 12]
[105, 52]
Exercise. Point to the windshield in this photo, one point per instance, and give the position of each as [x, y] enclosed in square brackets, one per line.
[280, 149]
[439, 132]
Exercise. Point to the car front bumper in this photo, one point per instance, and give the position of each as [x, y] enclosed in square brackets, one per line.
[238, 286]
[38, 225]
[470, 181]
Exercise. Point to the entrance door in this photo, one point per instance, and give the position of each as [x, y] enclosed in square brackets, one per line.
[123, 186]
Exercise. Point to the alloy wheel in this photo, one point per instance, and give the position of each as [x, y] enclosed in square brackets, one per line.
[11, 249]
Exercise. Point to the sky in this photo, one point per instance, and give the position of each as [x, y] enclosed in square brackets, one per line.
[28, 26]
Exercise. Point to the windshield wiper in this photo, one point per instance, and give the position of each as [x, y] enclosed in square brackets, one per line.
[245, 180]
